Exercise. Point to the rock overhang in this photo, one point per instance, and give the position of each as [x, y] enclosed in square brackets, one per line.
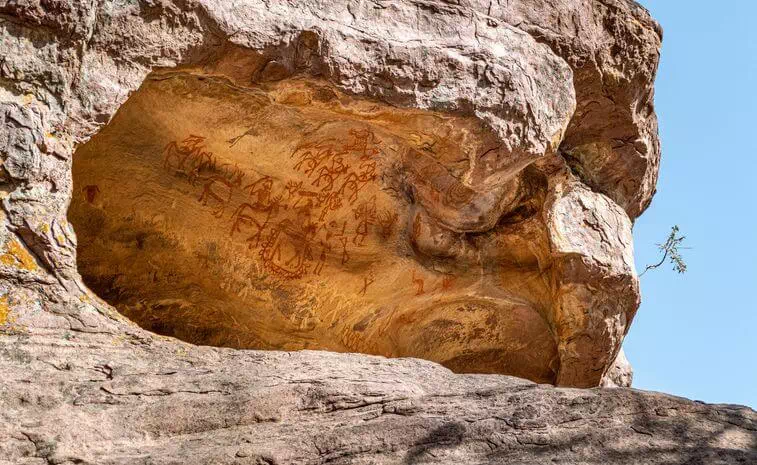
[82, 384]
[254, 201]
[523, 85]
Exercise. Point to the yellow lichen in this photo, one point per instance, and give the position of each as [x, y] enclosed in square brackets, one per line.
[16, 255]
[4, 310]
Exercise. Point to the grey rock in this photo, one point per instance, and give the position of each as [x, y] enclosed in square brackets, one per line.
[620, 373]
[81, 384]
[123, 398]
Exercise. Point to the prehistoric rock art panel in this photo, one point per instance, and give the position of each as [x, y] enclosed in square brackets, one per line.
[526, 269]
[292, 216]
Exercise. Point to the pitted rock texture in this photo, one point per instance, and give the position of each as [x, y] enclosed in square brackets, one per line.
[620, 373]
[526, 145]
[498, 164]
[126, 399]
[473, 209]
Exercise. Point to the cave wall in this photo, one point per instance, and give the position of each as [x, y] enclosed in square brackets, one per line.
[567, 274]
[566, 87]
[291, 224]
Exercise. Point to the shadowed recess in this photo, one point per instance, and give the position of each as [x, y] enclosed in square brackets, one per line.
[291, 216]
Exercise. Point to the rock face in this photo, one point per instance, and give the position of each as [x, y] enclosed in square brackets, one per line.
[620, 373]
[127, 399]
[377, 180]
[454, 181]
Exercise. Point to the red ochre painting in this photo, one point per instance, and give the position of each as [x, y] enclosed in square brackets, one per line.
[292, 216]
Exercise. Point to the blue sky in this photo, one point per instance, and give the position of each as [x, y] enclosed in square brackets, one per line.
[695, 334]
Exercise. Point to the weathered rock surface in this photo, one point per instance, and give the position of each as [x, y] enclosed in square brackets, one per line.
[125, 399]
[483, 167]
[525, 201]
[620, 373]
[447, 225]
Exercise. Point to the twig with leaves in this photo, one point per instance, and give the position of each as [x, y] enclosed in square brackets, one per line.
[671, 249]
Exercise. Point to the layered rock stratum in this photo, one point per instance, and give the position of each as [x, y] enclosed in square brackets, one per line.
[453, 181]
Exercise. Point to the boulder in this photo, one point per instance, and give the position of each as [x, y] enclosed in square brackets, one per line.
[294, 181]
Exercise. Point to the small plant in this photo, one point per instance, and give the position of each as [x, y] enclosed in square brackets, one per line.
[671, 249]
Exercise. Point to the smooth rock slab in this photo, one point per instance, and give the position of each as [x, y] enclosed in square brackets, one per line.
[72, 397]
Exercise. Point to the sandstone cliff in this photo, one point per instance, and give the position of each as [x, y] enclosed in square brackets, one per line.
[492, 158]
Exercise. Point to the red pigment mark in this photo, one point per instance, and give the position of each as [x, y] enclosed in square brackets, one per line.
[90, 193]
[418, 282]
[367, 281]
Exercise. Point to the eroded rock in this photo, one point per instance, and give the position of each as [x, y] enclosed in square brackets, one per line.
[335, 186]
[485, 161]
[620, 373]
[377, 180]
[124, 399]
[294, 217]
[250, 201]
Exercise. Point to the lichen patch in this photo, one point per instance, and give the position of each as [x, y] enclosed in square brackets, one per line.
[5, 310]
[17, 256]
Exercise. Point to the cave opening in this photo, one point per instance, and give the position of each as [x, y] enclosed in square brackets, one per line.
[285, 216]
